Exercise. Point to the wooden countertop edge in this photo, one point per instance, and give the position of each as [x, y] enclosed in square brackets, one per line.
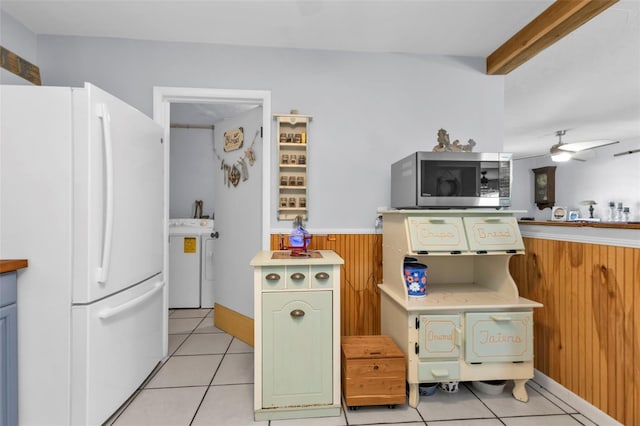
[10, 265]
[578, 224]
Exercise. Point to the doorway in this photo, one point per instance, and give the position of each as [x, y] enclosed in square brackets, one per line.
[237, 294]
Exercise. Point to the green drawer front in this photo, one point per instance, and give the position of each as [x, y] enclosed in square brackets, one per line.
[321, 277]
[440, 336]
[273, 277]
[297, 277]
[438, 371]
[499, 336]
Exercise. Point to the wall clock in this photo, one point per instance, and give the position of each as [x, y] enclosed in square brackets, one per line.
[544, 186]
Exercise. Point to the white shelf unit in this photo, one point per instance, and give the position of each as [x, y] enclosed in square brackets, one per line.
[472, 324]
[293, 138]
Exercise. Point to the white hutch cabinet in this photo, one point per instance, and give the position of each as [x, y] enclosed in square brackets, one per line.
[296, 335]
[472, 324]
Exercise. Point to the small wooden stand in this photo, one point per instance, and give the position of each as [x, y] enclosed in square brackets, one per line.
[373, 371]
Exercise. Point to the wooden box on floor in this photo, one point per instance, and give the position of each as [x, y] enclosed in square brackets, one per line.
[373, 371]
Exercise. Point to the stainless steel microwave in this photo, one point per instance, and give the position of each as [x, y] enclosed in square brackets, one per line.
[452, 180]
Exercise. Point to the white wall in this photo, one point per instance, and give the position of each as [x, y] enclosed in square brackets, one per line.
[18, 39]
[602, 178]
[193, 171]
[368, 109]
[238, 218]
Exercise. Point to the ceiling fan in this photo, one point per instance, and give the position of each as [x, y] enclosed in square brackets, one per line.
[565, 151]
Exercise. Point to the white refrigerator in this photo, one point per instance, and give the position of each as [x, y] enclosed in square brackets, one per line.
[81, 197]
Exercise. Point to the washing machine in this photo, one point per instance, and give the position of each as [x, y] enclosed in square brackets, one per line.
[191, 278]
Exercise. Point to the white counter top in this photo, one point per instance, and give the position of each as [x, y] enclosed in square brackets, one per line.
[454, 212]
[623, 236]
[327, 257]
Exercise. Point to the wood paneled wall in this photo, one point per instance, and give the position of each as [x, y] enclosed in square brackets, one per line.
[587, 336]
[359, 278]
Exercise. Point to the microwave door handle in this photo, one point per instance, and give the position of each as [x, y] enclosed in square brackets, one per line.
[102, 272]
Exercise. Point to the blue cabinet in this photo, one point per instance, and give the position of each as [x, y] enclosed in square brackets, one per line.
[8, 350]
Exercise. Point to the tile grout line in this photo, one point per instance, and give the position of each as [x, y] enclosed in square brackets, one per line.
[178, 348]
[538, 388]
[576, 411]
[564, 412]
[192, 332]
[148, 379]
[483, 403]
[210, 381]
[157, 369]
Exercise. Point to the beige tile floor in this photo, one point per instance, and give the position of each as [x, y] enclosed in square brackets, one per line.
[208, 380]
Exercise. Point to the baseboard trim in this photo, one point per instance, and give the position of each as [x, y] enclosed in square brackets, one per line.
[234, 323]
[587, 409]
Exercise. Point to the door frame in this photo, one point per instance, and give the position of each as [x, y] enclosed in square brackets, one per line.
[163, 97]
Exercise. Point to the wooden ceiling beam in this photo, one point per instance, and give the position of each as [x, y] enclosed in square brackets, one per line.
[558, 20]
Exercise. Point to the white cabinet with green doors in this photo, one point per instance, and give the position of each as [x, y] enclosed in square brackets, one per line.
[296, 335]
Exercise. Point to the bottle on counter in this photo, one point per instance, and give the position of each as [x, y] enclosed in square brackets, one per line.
[300, 238]
[612, 212]
[619, 216]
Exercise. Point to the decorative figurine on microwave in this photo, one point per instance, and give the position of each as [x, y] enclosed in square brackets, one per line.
[445, 146]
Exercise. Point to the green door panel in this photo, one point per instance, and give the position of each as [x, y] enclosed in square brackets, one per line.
[297, 348]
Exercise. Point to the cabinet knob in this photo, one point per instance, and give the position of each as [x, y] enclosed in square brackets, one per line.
[322, 276]
[297, 313]
[297, 276]
[272, 277]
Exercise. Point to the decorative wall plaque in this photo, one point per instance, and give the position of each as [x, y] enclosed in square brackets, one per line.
[233, 139]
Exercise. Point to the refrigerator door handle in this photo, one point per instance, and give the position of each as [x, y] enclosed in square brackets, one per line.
[111, 312]
[102, 272]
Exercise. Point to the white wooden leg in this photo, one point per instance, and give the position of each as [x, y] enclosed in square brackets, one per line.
[414, 394]
[520, 391]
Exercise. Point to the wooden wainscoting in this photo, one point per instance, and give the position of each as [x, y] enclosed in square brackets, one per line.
[359, 278]
[233, 323]
[587, 336]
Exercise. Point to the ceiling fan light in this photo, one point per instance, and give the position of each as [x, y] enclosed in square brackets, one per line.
[558, 154]
[561, 157]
